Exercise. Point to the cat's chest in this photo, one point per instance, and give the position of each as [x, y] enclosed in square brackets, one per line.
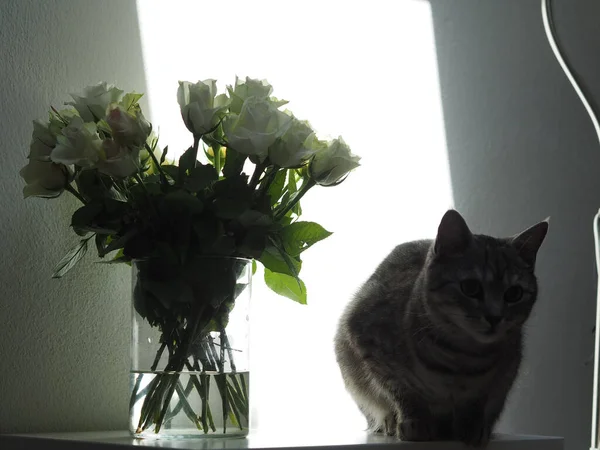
[451, 388]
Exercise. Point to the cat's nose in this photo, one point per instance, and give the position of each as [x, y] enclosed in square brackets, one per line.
[493, 320]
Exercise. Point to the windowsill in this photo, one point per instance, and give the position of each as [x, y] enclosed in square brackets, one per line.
[121, 440]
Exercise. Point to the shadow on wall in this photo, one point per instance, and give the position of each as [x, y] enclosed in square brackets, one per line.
[521, 148]
[64, 343]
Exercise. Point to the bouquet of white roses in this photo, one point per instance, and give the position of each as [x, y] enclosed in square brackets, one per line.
[139, 206]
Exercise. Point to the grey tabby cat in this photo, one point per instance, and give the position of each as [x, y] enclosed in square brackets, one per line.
[431, 344]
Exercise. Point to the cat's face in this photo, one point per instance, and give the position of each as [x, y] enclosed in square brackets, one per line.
[479, 285]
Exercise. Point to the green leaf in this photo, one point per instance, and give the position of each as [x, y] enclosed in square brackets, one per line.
[165, 252]
[206, 230]
[83, 232]
[120, 242]
[286, 197]
[263, 205]
[94, 185]
[151, 179]
[100, 244]
[102, 217]
[232, 204]
[116, 260]
[86, 215]
[139, 247]
[299, 236]
[292, 181]
[178, 202]
[71, 258]
[254, 266]
[290, 192]
[200, 177]
[186, 161]
[286, 285]
[291, 262]
[286, 220]
[254, 242]
[274, 260]
[163, 157]
[103, 129]
[293, 185]
[276, 188]
[297, 209]
[224, 245]
[130, 101]
[255, 218]
[172, 171]
[234, 163]
[119, 258]
[115, 208]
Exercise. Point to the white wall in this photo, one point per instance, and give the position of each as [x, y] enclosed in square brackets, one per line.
[521, 148]
[63, 344]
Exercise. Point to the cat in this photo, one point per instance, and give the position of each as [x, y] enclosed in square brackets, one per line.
[431, 344]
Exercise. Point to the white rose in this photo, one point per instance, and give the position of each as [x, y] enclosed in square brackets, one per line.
[60, 119]
[250, 88]
[43, 141]
[44, 178]
[200, 109]
[295, 147]
[78, 144]
[331, 165]
[118, 161]
[94, 102]
[127, 129]
[256, 128]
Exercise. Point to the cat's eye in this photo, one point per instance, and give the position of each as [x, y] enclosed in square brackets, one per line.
[513, 294]
[471, 288]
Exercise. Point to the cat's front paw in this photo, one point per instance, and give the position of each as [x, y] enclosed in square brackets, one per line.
[385, 431]
[388, 427]
[414, 430]
[474, 434]
[478, 439]
[472, 426]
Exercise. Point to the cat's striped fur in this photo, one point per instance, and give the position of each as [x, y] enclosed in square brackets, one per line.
[422, 355]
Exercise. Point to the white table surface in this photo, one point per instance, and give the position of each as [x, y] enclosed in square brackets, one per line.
[300, 439]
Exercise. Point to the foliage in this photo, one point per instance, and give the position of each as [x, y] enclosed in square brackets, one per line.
[138, 205]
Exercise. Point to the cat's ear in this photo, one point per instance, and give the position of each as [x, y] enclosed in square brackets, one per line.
[529, 241]
[454, 236]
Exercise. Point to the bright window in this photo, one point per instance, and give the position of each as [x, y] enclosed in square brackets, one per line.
[363, 70]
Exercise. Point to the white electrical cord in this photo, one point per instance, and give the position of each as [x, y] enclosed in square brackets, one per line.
[597, 340]
[592, 111]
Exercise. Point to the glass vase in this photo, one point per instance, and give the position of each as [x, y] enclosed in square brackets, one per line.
[189, 366]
